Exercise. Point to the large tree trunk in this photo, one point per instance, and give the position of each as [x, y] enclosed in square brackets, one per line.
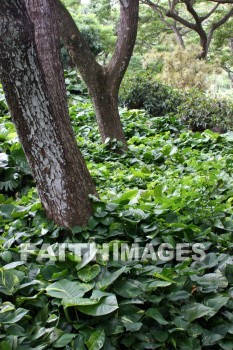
[103, 82]
[62, 178]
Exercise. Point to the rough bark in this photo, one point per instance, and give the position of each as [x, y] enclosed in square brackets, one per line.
[103, 82]
[61, 176]
[107, 114]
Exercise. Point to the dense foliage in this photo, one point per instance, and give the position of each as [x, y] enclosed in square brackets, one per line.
[181, 69]
[194, 108]
[201, 112]
[144, 92]
[173, 186]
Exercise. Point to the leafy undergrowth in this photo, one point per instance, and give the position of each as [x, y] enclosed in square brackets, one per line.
[172, 187]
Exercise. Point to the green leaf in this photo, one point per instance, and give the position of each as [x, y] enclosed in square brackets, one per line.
[11, 317]
[179, 295]
[131, 326]
[159, 284]
[79, 302]
[211, 282]
[88, 273]
[127, 289]
[105, 306]
[88, 256]
[196, 310]
[216, 304]
[79, 343]
[10, 180]
[96, 341]
[226, 344]
[68, 289]
[107, 281]
[64, 340]
[19, 157]
[157, 316]
[127, 196]
[9, 282]
[229, 273]
[4, 345]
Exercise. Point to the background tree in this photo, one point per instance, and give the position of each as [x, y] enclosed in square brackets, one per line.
[222, 47]
[201, 17]
[32, 77]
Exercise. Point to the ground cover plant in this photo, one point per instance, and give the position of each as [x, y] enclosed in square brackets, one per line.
[173, 186]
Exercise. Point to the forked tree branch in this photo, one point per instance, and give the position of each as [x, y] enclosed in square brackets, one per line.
[181, 20]
[222, 20]
[80, 51]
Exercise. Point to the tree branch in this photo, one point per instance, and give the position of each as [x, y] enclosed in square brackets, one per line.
[77, 46]
[181, 20]
[222, 20]
[126, 38]
[153, 5]
[192, 11]
[218, 24]
[173, 5]
[203, 18]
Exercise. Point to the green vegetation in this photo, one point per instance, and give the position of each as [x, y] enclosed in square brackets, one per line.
[170, 194]
[193, 108]
[145, 92]
[173, 186]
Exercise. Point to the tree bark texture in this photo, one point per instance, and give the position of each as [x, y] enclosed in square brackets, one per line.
[107, 114]
[103, 82]
[44, 129]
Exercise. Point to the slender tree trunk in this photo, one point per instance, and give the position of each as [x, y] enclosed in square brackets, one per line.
[228, 70]
[204, 46]
[230, 76]
[107, 114]
[103, 82]
[62, 178]
[178, 37]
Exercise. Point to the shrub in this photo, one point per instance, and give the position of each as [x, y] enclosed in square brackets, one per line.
[193, 108]
[181, 68]
[200, 112]
[144, 92]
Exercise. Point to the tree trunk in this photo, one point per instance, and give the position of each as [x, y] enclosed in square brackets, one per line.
[103, 82]
[107, 114]
[204, 46]
[62, 178]
[178, 37]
